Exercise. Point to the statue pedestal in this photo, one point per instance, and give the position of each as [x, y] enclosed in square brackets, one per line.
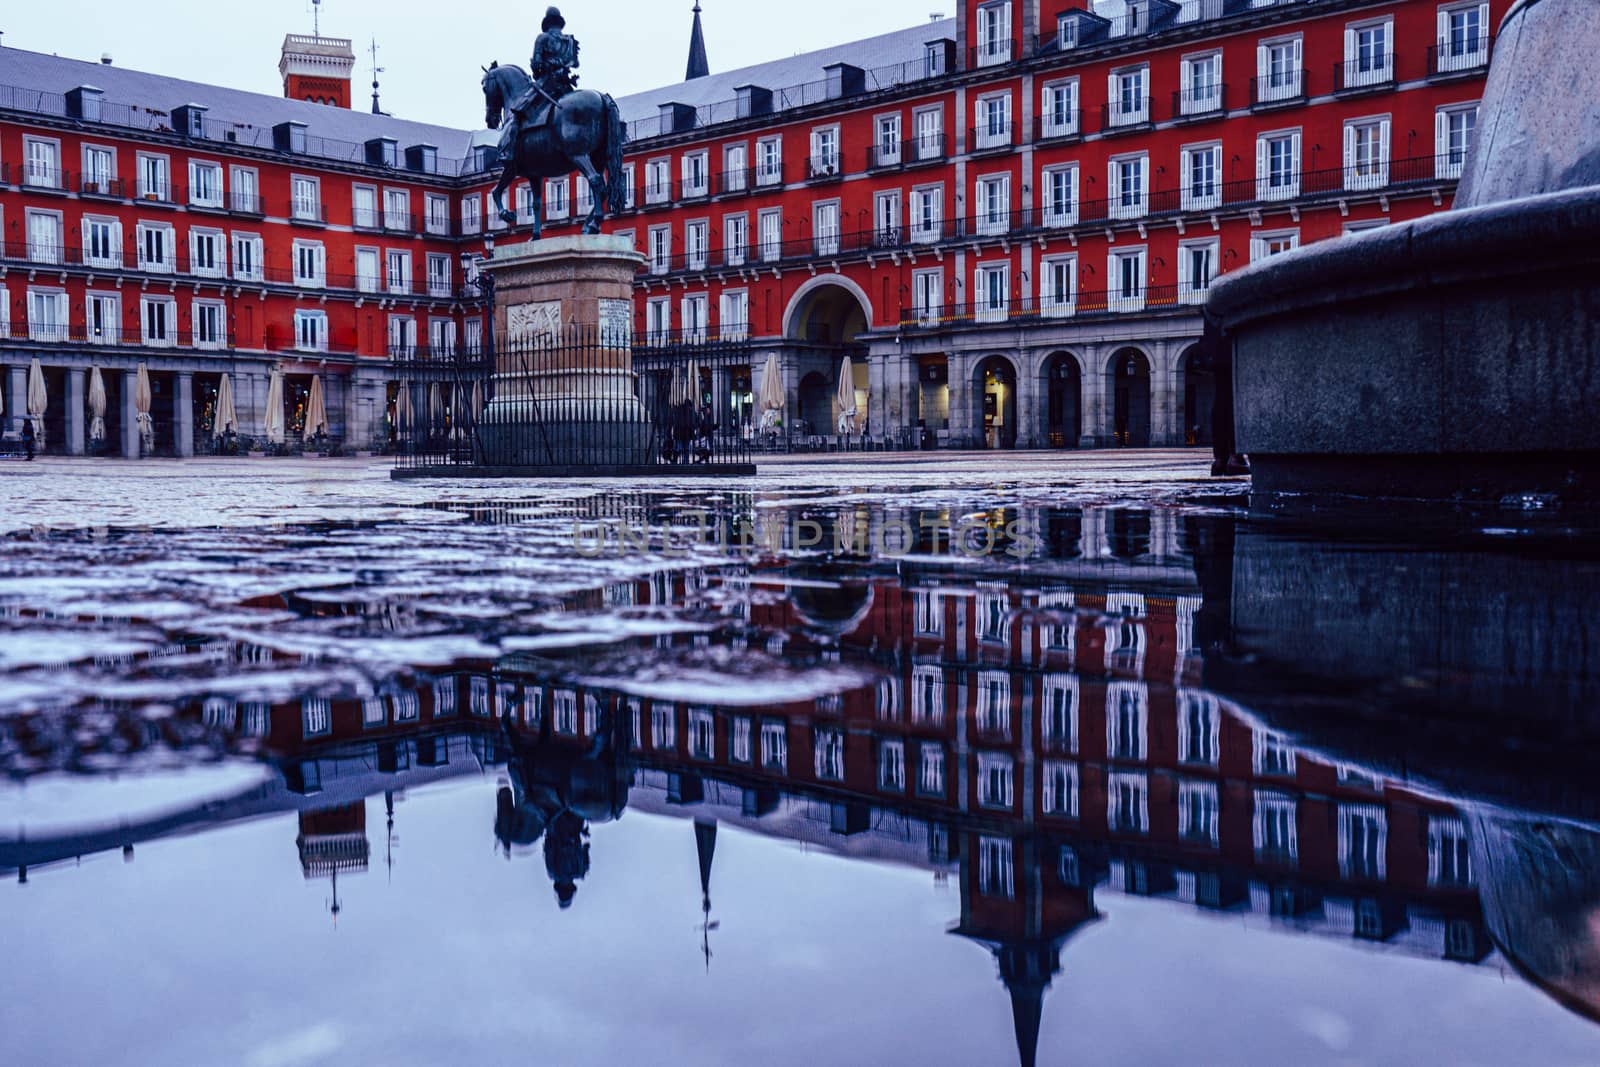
[564, 392]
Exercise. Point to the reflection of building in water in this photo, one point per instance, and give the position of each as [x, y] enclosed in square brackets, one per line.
[334, 840]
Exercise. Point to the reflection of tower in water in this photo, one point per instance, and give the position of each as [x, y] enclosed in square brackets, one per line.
[333, 840]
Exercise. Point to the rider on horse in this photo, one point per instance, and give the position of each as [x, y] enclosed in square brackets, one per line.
[555, 56]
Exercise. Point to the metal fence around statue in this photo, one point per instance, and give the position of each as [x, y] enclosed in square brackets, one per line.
[578, 402]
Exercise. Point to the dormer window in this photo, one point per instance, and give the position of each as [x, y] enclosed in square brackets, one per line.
[1067, 33]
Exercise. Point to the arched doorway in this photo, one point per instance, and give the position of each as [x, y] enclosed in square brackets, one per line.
[816, 404]
[1130, 392]
[1063, 401]
[994, 386]
[827, 311]
[1199, 397]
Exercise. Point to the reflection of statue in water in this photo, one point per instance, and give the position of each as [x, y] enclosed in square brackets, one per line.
[557, 791]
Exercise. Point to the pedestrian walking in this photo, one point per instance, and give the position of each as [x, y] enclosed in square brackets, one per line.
[28, 437]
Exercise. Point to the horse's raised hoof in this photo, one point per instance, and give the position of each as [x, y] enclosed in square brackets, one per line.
[591, 228]
[508, 217]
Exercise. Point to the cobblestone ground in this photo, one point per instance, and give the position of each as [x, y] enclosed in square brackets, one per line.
[60, 493]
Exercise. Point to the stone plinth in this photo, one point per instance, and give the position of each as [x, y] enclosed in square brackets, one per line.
[564, 391]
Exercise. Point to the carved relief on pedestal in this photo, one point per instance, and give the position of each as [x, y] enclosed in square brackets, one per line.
[531, 323]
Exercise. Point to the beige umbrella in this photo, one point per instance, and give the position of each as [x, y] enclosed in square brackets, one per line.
[316, 410]
[38, 401]
[771, 393]
[477, 400]
[274, 415]
[225, 418]
[97, 405]
[846, 398]
[435, 408]
[693, 383]
[402, 407]
[141, 404]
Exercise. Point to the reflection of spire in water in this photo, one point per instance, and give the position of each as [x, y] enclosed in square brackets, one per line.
[389, 842]
[705, 845]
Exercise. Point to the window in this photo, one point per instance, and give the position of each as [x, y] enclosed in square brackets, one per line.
[310, 264]
[1272, 755]
[1366, 154]
[1453, 129]
[739, 734]
[696, 174]
[1127, 273]
[658, 316]
[155, 179]
[306, 199]
[735, 168]
[927, 696]
[993, 203]
[1060, 195]
[663, 726]
[1202, 177]
[159, 316]
[933, 60]
[102, 242]
[1197, 812]
[209, 331]
[996, 773]
[1363, 842]
[930, 769]
[311, 331]
[205, 184]
[369, 272]
[1263, 245]
[1197, 265]
[1058, 285]
[1279, 73]
[696, 244]
[1202, 84]
[1066, 33]
[1058, 710]
[208, 254]
[830, 754]
[775, 746]
[927, 301]
[1277, 836]
[994, 34]
[927, 213]
[472, 337]
[735, 239]
[1368, 54]
[103, 318]
[993, 127]
[399, 271]
[694, 316]
[397, 210]
[660, 249]
[1059, 797]
[440, 282]
[316, 717]
[886, 219]
[771, 234]
[99, 170]
[991, 292]
[47, 315]
[1127, 721]
[825, 151]
[246, 195]
[886, 146]
[996, 868]
[1128, 186]
[1199, 729]
[156, 251]
[769, 161]
[825, 227]
[1129, 96]
[1058, 109]
[247, 257]
[436, 213]
[557, 204]
[702, 734]
[994, 704]
[930, 133]
[733, 315]
[657, 181]
[892, 766]
[471, 214]
[1278, 165]
[402, 336]
[1463, 37]
[1128, 803]
[1449, 854]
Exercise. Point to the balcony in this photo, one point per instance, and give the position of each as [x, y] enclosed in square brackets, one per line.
[1364, 75]
[990, 137]
[308, 213]
[770, 175]
[43, 179]
[823, 169]
[53, 333]
[735, 182]
[160, 194]
[1061, 124]
[695, 187]
[399, 222]
[658, 192]
[1126, 114]
[102, 188]
[1460, 56]
[993, 53]
[1012, 312]
[247, 204]
[1200, 103]
[882, 157]
[927, 148]
[1283, 89]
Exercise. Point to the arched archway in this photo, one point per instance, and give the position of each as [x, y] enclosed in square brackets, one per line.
[1130, 398]
[1063, 389]
[994, 392]
[1199, 396]
[829, 310]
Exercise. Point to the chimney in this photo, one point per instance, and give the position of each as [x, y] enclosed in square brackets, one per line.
[317, 69]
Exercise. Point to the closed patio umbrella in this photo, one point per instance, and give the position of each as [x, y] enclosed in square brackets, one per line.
[141, 404]
[316, 410]
[435, 409]
[846, 397]
[225, 418]
[97, 405]
[38, 401]
[771, 393]
[274, 416]
[402, 408]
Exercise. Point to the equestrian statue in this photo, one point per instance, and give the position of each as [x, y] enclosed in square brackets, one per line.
[555, 127]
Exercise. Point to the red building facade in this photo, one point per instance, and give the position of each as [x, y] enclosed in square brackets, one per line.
[1008, 219]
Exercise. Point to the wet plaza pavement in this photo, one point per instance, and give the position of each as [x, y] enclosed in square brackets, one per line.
[873, 760]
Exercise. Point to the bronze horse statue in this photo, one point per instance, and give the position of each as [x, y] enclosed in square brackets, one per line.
[584, 132]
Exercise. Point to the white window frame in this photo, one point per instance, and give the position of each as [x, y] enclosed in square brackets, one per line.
[1272, 755]
[989, 302]
[1274, 811]
[199, 312]
[1120, 297]
[155, 186]
[304, 207]
[471, 214]
[59, 326]
[826, 225]
[1449, 163]
[733, 314]
[396, 208]
[219, 197]
[997, 778]
[1053, 270]
[1189, 292]
[927, 305]
[317, 277]
[168, 308]
[1469, 50]
[441, 275]
[1360, 71]
[929, 136]
[1200, 199]
[103, 184]
[247, 267]
[991, 121]
[1128, 802]
[1058, 794]
[994, 34]
[696, 244]
[436, 214]
[660, 251]
[1260, 243]
[1291, 80]
[1198, 808]
[1193, 100]
[658, 317]
[402, 336]
[318, 320]
[168, 265]
[888, 146]
[1052, 212]
[991, 204]
[769, 161]
[1372, 172]
[112, 256]
[735, 168]
[107, 307]
[696, 172]
[695, 310]
[398, 282]
[927, 226]
[219, 243]
[1125, 109]
[736, 239]
[1054, 121]
[1124, 206]
[1268, 186]
[244, 190]
[658, 180]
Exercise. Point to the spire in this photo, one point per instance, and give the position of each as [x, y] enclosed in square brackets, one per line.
[376, 70]
[699, 66]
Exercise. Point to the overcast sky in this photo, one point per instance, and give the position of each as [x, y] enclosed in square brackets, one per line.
[432, 51]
